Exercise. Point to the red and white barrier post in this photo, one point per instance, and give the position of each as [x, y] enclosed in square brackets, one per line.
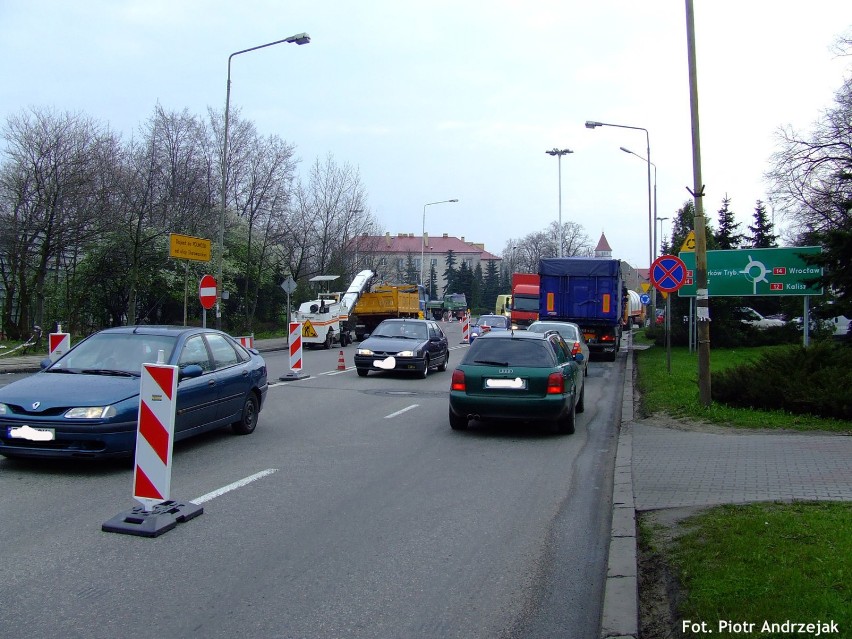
[152, 472]
[294, 341]
[246, 340]
[466, 329]
[58, 344]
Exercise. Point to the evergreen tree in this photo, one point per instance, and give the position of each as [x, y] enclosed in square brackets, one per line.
[433, 282]
[727, 237]
[450, 272]
[475, 299]
[412, 273]
[761, 232]
[491, 285]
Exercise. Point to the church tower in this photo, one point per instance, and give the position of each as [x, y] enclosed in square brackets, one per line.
[603, 249]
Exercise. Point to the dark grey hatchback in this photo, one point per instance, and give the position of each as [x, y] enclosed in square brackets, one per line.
[403, 345]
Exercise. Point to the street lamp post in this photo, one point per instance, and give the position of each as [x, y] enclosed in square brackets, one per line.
[591, 124]
[423, 234]
[299, 38]
[656, 243]
[559, 153]
[660, 220]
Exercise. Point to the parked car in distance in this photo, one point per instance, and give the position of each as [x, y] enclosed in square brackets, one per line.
[751, 317]
[518, 375]
[486, 323]
[572, 335]
[403, 345]
[86, 404]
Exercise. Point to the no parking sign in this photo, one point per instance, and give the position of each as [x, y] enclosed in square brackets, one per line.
[668, 273]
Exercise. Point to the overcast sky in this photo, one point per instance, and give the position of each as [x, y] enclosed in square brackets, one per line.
[459, 98]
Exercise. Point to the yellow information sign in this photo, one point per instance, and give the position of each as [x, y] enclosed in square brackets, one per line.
[688, 243]
[186, 247]
[308, 329]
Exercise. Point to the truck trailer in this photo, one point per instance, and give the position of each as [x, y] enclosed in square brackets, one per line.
[589, 292]
[384, 302]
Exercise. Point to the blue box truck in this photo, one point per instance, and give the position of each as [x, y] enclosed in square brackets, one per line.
[589, 292]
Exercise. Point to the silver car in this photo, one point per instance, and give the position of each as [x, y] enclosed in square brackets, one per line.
[571, 333]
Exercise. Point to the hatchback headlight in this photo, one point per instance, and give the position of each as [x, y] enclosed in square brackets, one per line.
[405, 354]
[364, 351]
[5, 410]
[90, 412]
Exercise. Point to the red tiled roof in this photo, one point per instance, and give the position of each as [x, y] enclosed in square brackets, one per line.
[603, 245]
[413, 244]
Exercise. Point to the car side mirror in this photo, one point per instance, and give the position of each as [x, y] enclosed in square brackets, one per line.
[191, 370]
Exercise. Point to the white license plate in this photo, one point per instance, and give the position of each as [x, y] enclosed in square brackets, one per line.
[32, 434]
[514, 384]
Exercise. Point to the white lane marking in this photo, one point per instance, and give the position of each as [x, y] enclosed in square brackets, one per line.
[400, 412]
[234, 486]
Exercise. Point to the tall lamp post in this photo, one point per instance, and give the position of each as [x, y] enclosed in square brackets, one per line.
[423, 234]
[660, 220]
[591, 124]
[559, 153]
[299, 38]
[656, 241]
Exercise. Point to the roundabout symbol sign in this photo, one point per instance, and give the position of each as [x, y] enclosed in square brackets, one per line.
[668, 273]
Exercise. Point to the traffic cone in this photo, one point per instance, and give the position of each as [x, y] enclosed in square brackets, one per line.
[341, 365]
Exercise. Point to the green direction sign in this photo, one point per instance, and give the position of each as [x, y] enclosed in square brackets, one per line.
[749, 272]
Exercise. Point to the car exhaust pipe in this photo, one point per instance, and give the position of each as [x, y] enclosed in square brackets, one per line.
[474, 417]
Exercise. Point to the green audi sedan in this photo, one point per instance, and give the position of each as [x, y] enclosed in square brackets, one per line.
[518, 375]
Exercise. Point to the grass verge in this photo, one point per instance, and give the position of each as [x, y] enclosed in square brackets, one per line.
[676, 392]
[756, 565]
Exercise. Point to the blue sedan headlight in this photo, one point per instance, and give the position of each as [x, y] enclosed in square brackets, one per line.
[4, 410]
[90, 412]
[406, 354]
[364, 351]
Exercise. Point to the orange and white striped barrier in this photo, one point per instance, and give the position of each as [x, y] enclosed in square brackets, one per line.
[152, 475]
[152, 472]
[295, 343]
[341, 363]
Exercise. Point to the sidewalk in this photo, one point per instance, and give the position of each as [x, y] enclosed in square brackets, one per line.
[659, 467]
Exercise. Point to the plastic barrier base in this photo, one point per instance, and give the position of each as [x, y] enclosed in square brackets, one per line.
[293, 375]
[152, 523]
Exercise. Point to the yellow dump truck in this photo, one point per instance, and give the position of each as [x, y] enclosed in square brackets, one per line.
[386, 301]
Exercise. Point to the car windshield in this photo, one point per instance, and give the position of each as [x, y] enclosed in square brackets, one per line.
[401, 329]
[110, 353]
[510, 352]
[494, 321]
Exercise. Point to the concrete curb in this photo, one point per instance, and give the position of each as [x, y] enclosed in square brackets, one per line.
[620, 618]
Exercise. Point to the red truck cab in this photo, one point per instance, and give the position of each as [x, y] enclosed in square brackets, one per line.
[525, 303]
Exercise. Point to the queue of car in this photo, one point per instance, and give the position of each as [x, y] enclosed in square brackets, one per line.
[86, 403]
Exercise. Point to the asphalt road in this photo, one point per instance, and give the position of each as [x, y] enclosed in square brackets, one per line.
[367, 516]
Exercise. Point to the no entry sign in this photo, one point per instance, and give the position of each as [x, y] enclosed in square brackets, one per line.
[668, 273]
[207, 291]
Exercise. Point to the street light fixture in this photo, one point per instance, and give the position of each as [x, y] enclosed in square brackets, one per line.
[423, 234]
[559, 153]
[592, 124]
[299, 38]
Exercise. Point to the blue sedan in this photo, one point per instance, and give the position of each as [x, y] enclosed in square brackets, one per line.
[85, 405]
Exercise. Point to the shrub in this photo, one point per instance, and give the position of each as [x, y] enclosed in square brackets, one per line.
[816, 380]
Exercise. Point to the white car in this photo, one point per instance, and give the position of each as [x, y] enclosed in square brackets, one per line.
[751, 317]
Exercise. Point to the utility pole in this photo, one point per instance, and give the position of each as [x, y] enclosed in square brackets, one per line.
[702, 299]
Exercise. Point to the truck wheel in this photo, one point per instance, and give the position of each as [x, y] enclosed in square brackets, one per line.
[329, 337]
